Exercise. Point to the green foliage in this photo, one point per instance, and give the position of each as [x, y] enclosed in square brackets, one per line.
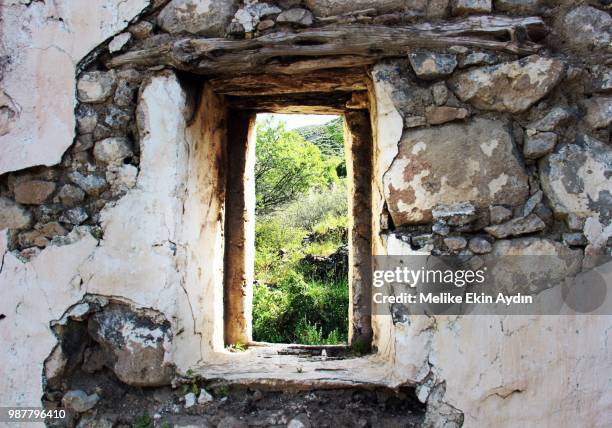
[237, 347]
[144, 421]
[316, 206]
[287, 166]
[329, 137]
[192, 386]
[301, 311]
[221, 391]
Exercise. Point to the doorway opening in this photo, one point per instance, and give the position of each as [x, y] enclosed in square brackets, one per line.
[295, 212]
[300, 292]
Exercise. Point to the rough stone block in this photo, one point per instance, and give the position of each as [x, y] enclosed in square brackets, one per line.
[33, 192]
[431, 65]
[577, 179]
[206, 18]
[509, 87]
[450, 164]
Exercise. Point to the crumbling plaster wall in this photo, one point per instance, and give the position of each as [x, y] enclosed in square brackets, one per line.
[160, 248]
[42, 43]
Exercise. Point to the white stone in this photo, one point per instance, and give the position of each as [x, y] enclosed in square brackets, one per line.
[119, 42]
[204, 397]
[112, 150]
[190, 400]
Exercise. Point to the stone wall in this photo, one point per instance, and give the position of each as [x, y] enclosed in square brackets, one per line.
[113, 191]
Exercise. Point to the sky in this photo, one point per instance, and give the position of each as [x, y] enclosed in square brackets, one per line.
[293, 121]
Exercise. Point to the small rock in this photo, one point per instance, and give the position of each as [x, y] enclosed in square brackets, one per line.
[300, 421]
[414, 121]
[131, 75]
[544, 213]
[127, 176]
[588, 29]
[204, 397]
[32, 239]
[444, 114]
[480, 246]
[209, 18]
[539, 145]
[70, 195]
[602, 79]
[117, 118]
[119, 42]
[101, 132]
[518, 6]
[141, 30]
[599, 112]
[439, 92]
[499, 214]
[13, 216]
[190, 400]
[95, 86]
[296, 16]
[440, 228]
[422, 241]
[556, 117]
[83, 143]
[455, 215]
[575, 222]
[91, 184]
[79, 401]
[509, 87]
[265, 24]
[235, 28]
[74, 216]
[455, 243]
[231, 422]
[574, 239]
[431, 65]
[33, 192]
[257, 395]
[531, 203]
[95, 422]
[87, 119]
[125, 93]
[516, 227]
[478, 58]
[465, 7]
[112, 150]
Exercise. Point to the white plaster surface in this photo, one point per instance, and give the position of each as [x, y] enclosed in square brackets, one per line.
[45, 41]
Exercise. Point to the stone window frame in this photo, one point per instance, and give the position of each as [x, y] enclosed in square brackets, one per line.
[351, 104]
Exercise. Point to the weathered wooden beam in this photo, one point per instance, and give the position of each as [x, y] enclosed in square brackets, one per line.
[309, 103]
[344, 80]
[332, 46]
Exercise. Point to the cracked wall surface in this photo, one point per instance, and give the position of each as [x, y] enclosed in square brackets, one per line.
[476, 152]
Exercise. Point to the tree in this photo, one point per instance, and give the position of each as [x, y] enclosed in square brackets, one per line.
[286, 167]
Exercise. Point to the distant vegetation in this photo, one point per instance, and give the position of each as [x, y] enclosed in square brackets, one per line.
[299, 296]
[329, 137]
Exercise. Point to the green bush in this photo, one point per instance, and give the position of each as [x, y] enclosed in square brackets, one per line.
[316, 207]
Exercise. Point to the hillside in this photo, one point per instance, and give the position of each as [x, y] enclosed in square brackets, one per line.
[329, 137]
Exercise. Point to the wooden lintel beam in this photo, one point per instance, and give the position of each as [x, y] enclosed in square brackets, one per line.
[339, 46]
[332, 102]
[335, 80]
